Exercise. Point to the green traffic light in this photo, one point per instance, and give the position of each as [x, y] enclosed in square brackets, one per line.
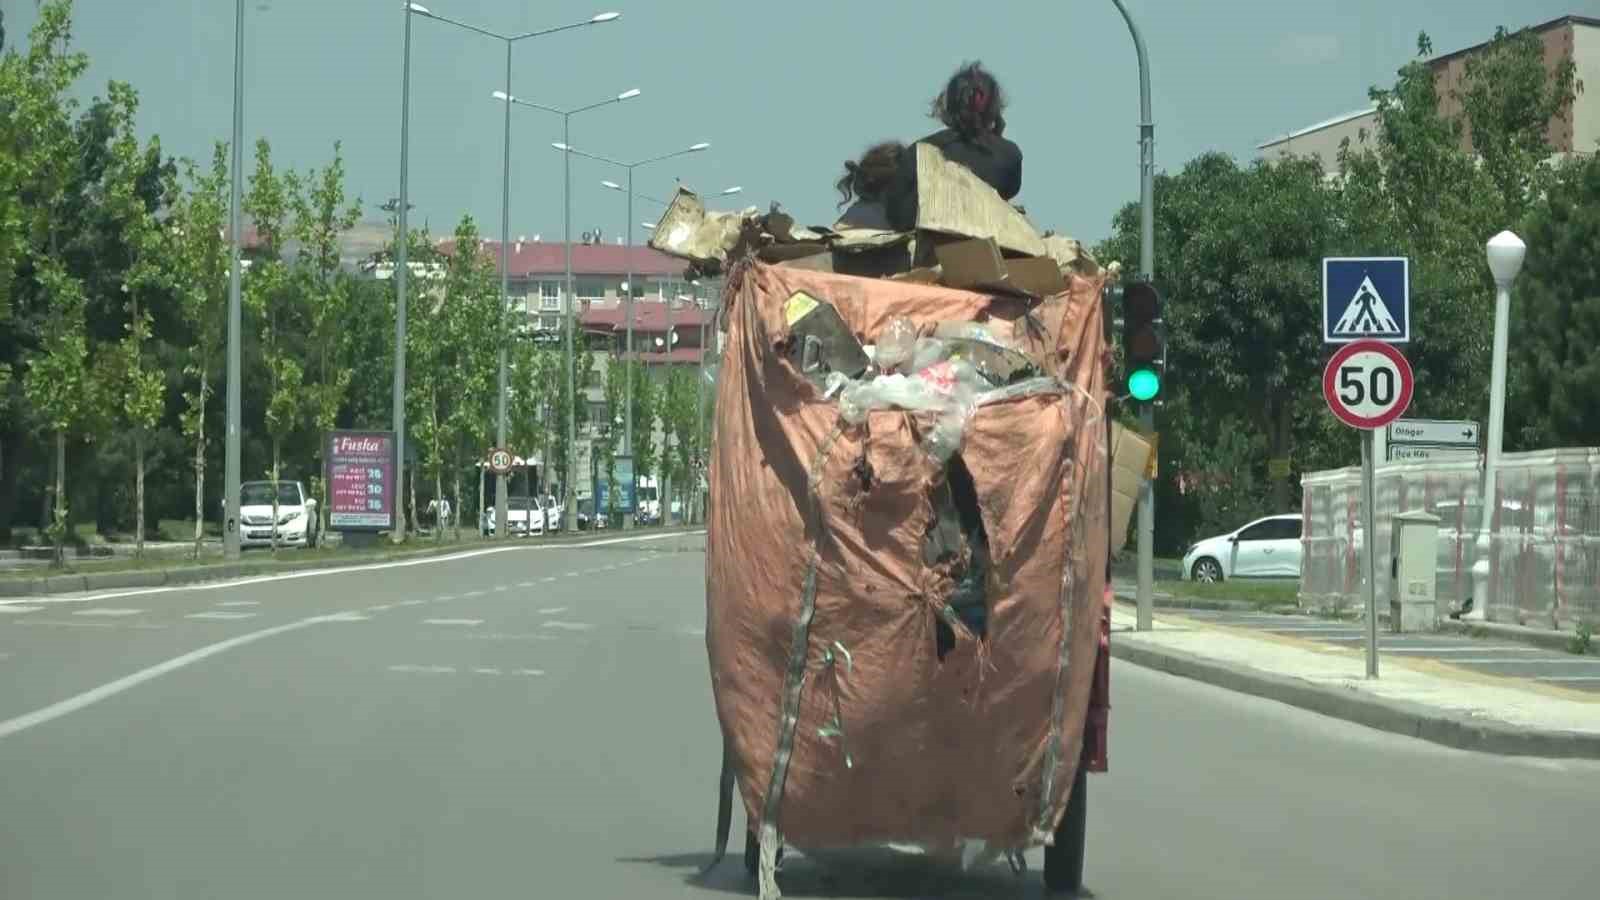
[1144, 384]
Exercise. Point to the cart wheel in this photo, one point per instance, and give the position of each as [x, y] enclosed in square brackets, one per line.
[1063, 863]
[752, 854]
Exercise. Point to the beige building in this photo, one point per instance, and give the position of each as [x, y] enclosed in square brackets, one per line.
[1575, 38]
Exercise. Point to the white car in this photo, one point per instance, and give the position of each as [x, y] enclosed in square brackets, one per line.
[1265, 548]
[524, 515]
[297, 515]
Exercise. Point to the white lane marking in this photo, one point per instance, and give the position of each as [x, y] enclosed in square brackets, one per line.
[128, 682]
[19, 610]
[465, 622]
[1459, 649]
[232, 603]
[428, 670]
[486, 671]
[501, 588]
[107, 612]
[498, 636]
[347, 570]
[412, 602]
[1568, 678]
[552, 610]
[1508, 661]
[574, 574]
[445, 598]
[548, 580]
[381, 607]
[530, 671]
[569, 626]
[221, 616]
[525, 584]
[62, 623]
[473, 594]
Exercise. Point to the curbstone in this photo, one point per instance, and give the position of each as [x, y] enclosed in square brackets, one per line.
[1396, 716]
[65, 584]
[1545, 638]
[113, 580]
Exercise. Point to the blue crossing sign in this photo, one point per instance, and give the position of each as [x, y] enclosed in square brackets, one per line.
[1366, 298]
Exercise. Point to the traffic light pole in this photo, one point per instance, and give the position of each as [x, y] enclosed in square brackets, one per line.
[1147, 271]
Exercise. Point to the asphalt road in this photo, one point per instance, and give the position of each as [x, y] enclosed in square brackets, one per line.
[537, 723]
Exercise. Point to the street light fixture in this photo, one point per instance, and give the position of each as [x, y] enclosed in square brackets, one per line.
[501, 500]
[629, 353]
[565, 146]
[1505, 252]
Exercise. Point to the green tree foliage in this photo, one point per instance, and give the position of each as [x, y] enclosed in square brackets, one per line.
[472, 319]
[1554, 383]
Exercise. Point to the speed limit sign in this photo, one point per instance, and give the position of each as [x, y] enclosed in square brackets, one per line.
[499, 461]
[1367, 384]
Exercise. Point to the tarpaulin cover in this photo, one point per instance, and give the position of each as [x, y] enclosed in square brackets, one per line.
[842, 725]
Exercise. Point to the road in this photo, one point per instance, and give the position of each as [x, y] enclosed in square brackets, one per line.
[537, 723]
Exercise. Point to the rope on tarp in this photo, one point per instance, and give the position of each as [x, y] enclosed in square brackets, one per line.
[835, 728]
[789, 718]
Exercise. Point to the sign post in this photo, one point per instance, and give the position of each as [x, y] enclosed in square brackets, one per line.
[1368, 384]
[361, 483]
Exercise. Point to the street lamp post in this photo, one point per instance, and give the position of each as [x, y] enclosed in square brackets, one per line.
[629, 353]
[501, 503]
[1147, 271]
[1505, 252]
[570, 491]
[231, 473]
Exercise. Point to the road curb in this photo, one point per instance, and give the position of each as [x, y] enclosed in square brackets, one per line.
[146, 578]
[1396, 716]
[1544, 638]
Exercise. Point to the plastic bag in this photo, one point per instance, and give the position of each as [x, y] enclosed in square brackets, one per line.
[896, 344]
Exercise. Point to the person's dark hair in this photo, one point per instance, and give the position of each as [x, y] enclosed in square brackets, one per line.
[870, 177]
[972, 102]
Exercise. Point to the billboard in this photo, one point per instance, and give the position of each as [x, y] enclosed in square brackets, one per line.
[625, 487]
[361, 480]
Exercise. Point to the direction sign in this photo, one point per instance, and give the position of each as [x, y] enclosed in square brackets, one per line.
[500, 461]
[1458, 433]
[1366, 298]
[1430, 452]
[1367, 384]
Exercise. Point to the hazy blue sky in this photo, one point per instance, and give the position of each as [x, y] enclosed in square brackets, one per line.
[784, 91]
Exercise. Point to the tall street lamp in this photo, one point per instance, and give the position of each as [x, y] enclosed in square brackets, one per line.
[500, 490]
[1505, 252]
[1147, 271]
[631, 356]
[231, 473]
[570, 493]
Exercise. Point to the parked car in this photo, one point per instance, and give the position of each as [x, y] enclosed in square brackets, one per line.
[297, 515]
[1265, 548]
[524, 515]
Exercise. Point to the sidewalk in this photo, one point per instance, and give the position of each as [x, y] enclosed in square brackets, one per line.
[1427, 698]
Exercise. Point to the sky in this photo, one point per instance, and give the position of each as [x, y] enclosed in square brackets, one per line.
[783, 92]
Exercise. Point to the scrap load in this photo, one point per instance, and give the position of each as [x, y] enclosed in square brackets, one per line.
[910, 509]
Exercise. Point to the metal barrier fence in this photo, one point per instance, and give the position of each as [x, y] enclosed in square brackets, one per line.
[1544, 564]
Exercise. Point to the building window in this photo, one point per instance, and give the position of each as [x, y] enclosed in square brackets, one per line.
[550, 296]
[589, 289]
[549, 323]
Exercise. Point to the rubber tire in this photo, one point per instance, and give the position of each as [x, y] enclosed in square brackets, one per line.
[1194, 574]
[1063, 863]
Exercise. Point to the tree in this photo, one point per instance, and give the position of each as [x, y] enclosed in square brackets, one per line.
[278, 304]
[198, 257]
[646, 410]
[1239, 263]
[473, 312]
[136, 389]
[616, 376]
[320, 217]
[1554, 384]
[678, 422]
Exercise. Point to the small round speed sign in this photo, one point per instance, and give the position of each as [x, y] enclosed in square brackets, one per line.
[1367, 384]
[499, 461]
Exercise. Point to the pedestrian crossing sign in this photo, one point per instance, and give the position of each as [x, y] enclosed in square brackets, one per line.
[1366, 298]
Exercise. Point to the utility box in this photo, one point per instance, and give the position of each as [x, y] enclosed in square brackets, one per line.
[1412, 606]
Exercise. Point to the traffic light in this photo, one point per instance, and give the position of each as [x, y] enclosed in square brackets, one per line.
[1143, 345]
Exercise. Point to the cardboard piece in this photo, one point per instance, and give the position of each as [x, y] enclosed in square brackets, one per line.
[977, 264]
[688, 231]
[953, 200]
[1131, 453]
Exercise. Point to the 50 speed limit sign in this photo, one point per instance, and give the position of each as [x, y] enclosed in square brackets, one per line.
[500, 461]
[1367, 384]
